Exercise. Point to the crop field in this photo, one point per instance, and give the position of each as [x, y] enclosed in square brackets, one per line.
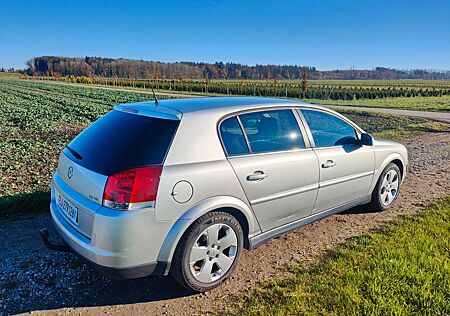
[38, 118]
[428, 95]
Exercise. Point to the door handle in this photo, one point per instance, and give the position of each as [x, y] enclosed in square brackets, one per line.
[329, 164]
[257, 176]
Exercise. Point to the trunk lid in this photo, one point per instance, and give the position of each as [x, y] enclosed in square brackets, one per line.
[123, 139]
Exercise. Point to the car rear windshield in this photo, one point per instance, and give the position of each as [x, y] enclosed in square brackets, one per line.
[119, 141]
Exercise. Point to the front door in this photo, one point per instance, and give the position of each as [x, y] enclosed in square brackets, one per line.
[279, 173]
[346, 166]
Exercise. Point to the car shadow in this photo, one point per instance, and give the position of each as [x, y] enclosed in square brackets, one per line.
[148, 289]
[64, 281]
[361, 209]
[101, 291]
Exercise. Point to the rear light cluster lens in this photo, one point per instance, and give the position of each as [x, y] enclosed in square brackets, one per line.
[132, 189]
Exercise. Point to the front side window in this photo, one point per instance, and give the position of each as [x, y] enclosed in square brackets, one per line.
[233, 138]
[269, 131]
[328, 130]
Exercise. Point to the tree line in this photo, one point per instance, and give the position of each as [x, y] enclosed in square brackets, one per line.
[140, 69]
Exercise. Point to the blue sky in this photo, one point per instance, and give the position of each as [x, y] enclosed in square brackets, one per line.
[326, 34]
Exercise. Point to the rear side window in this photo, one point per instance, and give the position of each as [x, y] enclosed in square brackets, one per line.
[119, 141]
[233, 138]
[269, 131]
[329, 130]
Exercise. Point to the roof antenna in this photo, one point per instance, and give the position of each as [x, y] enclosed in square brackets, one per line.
[154, 96]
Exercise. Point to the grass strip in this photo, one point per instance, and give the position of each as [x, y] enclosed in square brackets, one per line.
[403, 269]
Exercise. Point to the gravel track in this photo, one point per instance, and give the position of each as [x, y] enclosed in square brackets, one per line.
[437, 116]
[35, 279]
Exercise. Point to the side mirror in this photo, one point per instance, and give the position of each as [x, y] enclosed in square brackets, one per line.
[366, 139]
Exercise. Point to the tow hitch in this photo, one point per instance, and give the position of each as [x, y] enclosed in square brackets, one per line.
[45, 234]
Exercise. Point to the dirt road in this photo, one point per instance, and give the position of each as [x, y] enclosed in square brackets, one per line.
[35, 279]
[438, 116]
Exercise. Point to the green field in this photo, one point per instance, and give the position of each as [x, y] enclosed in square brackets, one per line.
[429, 95]
[426, 95]
[404, 269]
[38, 118]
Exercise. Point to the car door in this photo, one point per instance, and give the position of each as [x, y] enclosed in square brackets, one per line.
[274, 164]
[346, 166]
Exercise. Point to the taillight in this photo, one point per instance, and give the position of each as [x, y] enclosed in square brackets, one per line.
[132, 189]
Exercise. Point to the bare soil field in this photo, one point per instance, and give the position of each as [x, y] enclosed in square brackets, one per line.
[33, 279]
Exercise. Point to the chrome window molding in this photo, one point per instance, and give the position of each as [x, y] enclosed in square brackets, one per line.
[271, 153]
[249, 147]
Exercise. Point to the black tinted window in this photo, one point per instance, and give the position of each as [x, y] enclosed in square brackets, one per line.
[272, 131]
[120, 141]
[232, 137]
[329, 130]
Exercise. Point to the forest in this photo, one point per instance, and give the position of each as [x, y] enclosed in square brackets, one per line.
[141, 69]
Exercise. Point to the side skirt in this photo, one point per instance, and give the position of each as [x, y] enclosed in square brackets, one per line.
[263, 238]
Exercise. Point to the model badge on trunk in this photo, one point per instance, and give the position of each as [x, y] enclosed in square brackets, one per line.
[70, 172]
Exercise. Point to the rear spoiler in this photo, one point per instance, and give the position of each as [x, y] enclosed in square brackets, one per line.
[150, 109]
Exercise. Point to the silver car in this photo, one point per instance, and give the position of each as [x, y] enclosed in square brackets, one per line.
[182, 186]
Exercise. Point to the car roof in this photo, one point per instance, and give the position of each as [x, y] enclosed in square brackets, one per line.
[219, 105]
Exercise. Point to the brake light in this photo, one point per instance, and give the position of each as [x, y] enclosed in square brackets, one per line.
[132, 189]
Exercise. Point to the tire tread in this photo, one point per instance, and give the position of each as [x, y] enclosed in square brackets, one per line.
[375, 202]
[177, 270]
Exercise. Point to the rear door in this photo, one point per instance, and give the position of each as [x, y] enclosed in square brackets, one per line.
[346, 166]
[273, 161]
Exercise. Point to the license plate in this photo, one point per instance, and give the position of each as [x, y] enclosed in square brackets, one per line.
[67, 208]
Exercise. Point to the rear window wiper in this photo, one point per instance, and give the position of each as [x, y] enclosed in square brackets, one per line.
[74, 153]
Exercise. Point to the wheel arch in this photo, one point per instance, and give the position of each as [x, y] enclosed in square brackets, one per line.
[400, 166]
[241, 218]
[237, 208]
[395, 158]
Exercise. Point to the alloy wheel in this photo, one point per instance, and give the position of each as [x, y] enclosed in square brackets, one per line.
[389, 187]
[213, 253]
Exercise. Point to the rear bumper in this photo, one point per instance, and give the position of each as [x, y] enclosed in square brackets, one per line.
[153, 268]
[121, 244]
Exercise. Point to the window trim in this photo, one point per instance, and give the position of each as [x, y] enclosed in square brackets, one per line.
[271, 153]
[357, 129]
[223, 143]
[293, 109]
[250, 150]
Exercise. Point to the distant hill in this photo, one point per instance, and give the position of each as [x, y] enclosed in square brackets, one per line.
[140, 69]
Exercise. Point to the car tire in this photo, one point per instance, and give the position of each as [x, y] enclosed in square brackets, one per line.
[216, 240]
[387, 189]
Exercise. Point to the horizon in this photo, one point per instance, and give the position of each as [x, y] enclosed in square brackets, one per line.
[328, 36]
[249, 65]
